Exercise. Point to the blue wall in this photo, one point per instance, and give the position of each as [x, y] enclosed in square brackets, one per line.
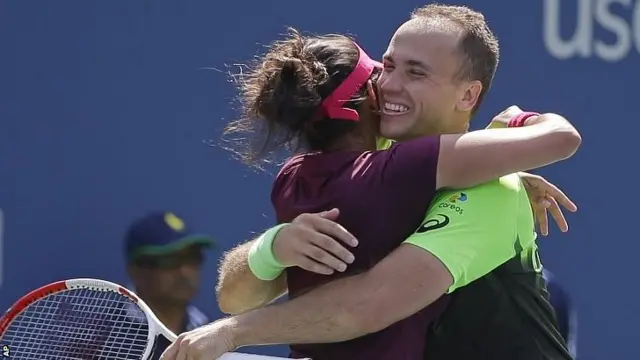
[108, 109]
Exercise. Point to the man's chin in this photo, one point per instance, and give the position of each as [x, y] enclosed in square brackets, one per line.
[394, 129]
[182, 296]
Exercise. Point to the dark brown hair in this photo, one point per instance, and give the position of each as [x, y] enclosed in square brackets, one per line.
[283, 90]
[478, 44]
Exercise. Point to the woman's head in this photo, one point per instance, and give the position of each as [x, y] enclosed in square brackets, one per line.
[300, 92]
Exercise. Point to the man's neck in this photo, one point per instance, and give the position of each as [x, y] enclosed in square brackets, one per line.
[456, 128]
[171, 315]
[453, 127]
[448, 131]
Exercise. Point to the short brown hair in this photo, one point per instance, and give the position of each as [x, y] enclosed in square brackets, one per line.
[478, 43]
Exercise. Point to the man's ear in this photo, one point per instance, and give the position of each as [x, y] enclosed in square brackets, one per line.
[469, 96]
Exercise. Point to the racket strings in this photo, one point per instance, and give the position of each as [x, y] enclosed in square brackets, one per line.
[79, 324]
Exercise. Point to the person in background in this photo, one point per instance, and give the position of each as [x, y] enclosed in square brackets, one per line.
[565, 311]
[164, 260]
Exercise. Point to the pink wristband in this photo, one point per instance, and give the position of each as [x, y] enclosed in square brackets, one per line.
[518, 120]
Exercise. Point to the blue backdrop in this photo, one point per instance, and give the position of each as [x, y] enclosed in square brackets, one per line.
[109, 109]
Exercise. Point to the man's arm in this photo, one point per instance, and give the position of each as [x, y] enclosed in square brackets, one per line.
[251, 275]
[441, 256]
[463, 160]
[479, 156]
[238, 289]
[350, 307]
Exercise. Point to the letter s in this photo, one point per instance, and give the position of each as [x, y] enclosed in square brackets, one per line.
[580, 43]
[620, 49]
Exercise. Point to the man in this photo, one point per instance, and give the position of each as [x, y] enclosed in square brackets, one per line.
[164, 258]
[438, 68]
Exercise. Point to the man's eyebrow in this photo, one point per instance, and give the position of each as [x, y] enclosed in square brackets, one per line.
[417, 63]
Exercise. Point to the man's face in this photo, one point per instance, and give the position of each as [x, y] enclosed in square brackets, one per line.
[420, 92]
[172, 278]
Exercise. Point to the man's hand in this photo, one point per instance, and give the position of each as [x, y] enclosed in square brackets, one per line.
[308, 242]
[204, 343]
[546, 197]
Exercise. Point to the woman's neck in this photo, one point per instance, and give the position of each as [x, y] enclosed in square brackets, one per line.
[353, 142]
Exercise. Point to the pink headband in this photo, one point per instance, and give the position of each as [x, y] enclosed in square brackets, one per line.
[333, 106]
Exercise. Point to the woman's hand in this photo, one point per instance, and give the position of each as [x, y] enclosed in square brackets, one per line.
[546, 198]
[316, 243]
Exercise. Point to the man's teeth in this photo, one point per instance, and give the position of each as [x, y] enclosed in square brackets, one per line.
[395, 107]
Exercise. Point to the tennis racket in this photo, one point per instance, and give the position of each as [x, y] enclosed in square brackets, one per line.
[85, 319]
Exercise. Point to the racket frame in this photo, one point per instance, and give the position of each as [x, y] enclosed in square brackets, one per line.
[155, 326]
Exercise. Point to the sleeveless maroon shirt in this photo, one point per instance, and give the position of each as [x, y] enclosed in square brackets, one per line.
[383, 196]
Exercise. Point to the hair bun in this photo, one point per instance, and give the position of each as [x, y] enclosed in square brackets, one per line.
[284, 89]
[292, 69]
[319, 71]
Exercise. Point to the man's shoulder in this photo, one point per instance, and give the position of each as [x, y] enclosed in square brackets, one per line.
[383, 143]
[509, 185]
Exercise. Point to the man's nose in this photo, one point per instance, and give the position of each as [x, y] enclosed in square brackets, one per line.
[188, 269]
[389, 83]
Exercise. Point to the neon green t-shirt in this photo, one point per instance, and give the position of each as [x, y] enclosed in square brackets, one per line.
[485, 237]
[478, 229]
[383, 144]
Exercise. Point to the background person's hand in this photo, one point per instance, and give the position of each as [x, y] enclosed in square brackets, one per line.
[546, 198]
[316, 243]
